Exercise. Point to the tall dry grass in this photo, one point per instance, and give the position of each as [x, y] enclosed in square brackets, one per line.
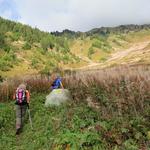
[119, 89]
[36, 84]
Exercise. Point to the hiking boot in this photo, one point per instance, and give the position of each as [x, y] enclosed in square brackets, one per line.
[18, 131]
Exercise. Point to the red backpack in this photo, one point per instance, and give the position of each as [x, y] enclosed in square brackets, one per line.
[20, 96]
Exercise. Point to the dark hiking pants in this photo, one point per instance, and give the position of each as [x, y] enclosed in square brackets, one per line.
[20, 115]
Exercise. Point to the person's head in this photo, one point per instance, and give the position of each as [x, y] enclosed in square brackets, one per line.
[22, 86]
[55, 75]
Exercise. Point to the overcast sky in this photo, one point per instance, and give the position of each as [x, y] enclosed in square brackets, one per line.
[77, 15]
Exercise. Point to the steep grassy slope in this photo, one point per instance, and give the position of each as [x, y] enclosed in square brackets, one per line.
[73, 126]
[123, 48]
[25, 50]
[110, 110]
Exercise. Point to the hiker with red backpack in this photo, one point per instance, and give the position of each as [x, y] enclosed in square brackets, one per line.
[22, 97]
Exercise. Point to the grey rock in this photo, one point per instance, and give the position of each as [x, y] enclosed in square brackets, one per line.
[58, 96]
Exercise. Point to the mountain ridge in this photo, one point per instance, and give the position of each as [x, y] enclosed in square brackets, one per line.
[28, 50]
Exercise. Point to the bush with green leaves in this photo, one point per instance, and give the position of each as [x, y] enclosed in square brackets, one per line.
[103, 45]
[116, 42]
[7, 61]
[90, 52]
[97, 44]
[26, 46]
[103, 59]
[15, 36]
[34, 63]
[47, 42]
[62, 44]
[2, 40]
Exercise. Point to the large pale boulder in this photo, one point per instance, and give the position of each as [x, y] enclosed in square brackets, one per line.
[58, 96]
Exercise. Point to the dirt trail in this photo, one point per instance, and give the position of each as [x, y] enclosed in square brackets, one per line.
[115, 56]
[123, 53]
[89, 61]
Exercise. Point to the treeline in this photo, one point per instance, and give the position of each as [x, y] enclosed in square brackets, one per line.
[103, 31]
[15, 31]
[19, 30]
[68, 34]
[118, 29]
[16, 37]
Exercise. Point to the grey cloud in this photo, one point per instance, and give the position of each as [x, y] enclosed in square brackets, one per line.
[82, 15]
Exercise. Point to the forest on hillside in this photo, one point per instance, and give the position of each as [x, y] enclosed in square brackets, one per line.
[16, 38]
[29, 48]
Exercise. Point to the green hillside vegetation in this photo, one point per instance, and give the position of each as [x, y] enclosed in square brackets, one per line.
[25, 50]
[110, 110]
[32, 49]
[99, 47]
[110, 107]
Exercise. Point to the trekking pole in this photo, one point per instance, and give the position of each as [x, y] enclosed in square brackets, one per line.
[29, 117]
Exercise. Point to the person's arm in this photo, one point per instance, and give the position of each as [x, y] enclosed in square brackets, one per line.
[14, 96]
[61, 85]
[28, 96]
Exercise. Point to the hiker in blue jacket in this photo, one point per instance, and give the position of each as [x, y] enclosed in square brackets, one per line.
[57, 83]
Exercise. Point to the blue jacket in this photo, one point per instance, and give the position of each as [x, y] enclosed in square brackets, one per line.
[57, 83]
